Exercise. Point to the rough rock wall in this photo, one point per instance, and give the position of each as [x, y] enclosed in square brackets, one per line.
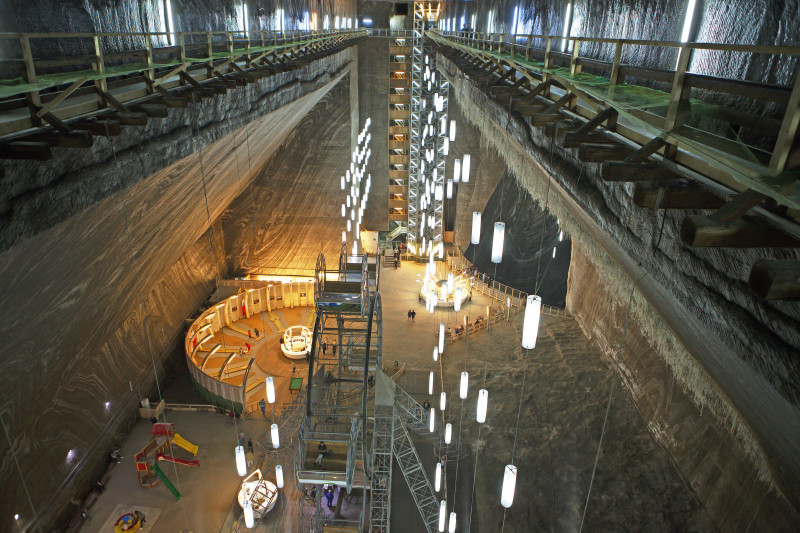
[86, 242]
[732, 353]
[292, 206]
[528, 263]
[373, 98]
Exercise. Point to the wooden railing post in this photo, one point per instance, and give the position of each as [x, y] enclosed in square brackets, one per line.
[528, 48]
[575, 62]
[149, 74]
[548, 63]
[100, 67]
[32, 97]
[678, 100]
[230, 49]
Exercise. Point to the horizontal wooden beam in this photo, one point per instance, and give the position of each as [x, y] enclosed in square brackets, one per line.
[542, 119]
[39, 151]
[573, 139]
[680, 195]
[776, 279]
[71, 139]
[109, 128]
[704, 232]
[131, 119]
[621, 171]
[151, 110]
[597, 153]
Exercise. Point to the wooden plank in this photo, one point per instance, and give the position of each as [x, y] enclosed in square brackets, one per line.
[574, 139]
[738, 206]
[597, 153]
[680, 195]
[130, 119]
[116, 104]
[38, 151]
[703, 232]
[542, 119]
[609, 114]
[171, 73]
[71, 139]
[621, 171]
[775, 279]
[109, 128]
[151, 110]
[646, 151]
[61, 96]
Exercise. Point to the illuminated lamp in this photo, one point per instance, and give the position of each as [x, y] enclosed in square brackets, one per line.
[462, 391]
[344, 236]
[276, 441]
[457, 171]
[432, 419]
[441, 337]
[439, 193]
[457, 299]
[446, 147]
[442, 515]
[452, 131]
[476, 228]
[451, 526]
[430, 384]
[509, 484]
[437, 483]
[435, 353]
[449, 189]
[279, 476]
[483, 405]
[497, 242]
[249, 519]
[442, 401]
[448, 433]
[342, 183]
[241, 464]
[270, 390]
[465, 168]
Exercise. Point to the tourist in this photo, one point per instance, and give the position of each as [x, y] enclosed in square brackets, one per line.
[263, 405]
[321, 451]
[248, 346]
[85, 515]
[294, 367]
[249, 334]
[426, 405]
[409, 315]
[413, 315]
[329, 497]
[249, 458]
[396, 262]
[241, 439]
[256, 332]
[249, 445]
[334, 350]
[140, 517]
[324, 347]
[99, 487]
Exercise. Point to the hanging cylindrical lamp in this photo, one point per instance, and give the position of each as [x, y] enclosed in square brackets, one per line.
[435, 353]
[530, 327]
[349, 225]
[342, 182]
[462, 390]
[439, 193]
[432, 419]
[347, 202]
[430, 384]
[449, 189]
[560, 236]
[437, 478]
[497, 242]
[509, 485]
[446, 146]
[249, 519]
[451, 526]
[441, 337]
[442, 401]
[483, 405]
[344, 236]
[270, 390]
[457, 171]
[465, 168]
[276, 441]
[457, 299]
[279, 476]
[476, 228]
[448, 433]
[554, 252]
[241, 464]
[452, 131]
[442, 515]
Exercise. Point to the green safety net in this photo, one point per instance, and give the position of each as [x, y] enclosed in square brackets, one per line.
[14, 86]
[646, 108]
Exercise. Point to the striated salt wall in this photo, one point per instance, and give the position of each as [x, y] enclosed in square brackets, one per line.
[732, 354]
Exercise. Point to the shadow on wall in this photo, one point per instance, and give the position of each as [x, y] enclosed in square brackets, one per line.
[528, 262]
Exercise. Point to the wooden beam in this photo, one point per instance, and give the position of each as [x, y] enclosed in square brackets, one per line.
[738, 206]
[130, 119]
[38, 151]
[609, 113]
[775, 279]
[71, 139]
[542, 119]
[680, 195]
[704, 232]
[109, 128]
[597, 153]
[168, 75]
[60, 98]
[116, 104]
[646, 151]
[574, 139]
[56, 122]
[621, 171]
[151, 110]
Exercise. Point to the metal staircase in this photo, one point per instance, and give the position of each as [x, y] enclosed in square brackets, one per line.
[381, 483]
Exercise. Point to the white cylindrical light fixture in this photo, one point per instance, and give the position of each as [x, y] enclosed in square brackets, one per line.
[451, 526]
[457, 299]
[483, 405]
[462, 390]
[457, 171]
[497, 242]
[270, 390]
[276, 441]
[437, 479]
[452, 131]
[249, 519]
[435, 353]
[441, 337]
[449, 189]
[446, 146]
[530, 327]
[349, 225]
[509, 484]
[476, 228]
[342, 182]
[344, 211]
[442, 401]
[432, 419]
[430, 384]
[241, 464]
[448, 433]
[344, 236]
[442, 515]
[465, 168]
[279, 476]
[439, 193]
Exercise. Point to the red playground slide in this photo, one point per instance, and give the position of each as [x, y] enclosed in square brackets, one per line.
[162, 457]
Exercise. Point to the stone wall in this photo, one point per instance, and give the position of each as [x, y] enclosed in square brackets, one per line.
[731, 353]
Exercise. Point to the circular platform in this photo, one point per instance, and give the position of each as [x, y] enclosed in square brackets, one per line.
[296, 342]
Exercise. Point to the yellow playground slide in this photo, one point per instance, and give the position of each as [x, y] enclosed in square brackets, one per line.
[185, 444]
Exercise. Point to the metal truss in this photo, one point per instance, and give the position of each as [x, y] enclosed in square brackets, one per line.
[381, 483]
[415, 475]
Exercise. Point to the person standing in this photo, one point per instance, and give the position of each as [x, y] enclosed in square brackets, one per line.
[334, 350]
[329, 497]
[413, 315]
[263, 405]
[140, 517]
[324, 347]
[409, 315]
[396, 262]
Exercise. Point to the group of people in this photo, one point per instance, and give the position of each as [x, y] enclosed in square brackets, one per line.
[412, 314]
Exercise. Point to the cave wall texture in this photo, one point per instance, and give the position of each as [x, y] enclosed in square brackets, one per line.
[731, 353]
[104, 253]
